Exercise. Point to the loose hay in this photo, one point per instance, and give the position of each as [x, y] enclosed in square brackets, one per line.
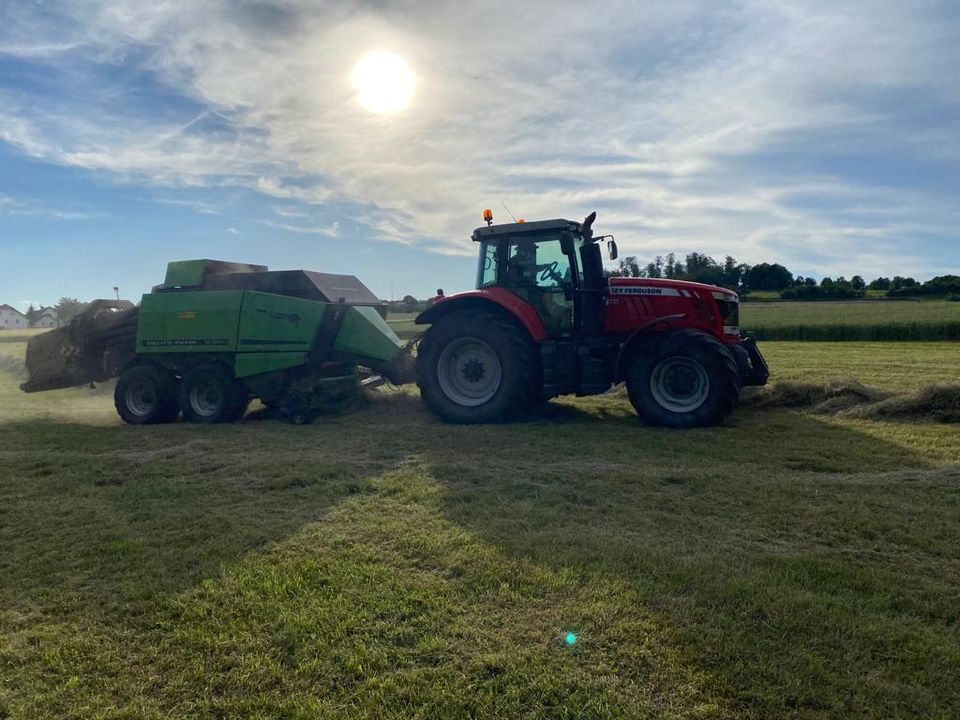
[852, 399]
[832, 397]
[938, 402]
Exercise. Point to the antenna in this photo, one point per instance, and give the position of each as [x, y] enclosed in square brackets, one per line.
[508, 211]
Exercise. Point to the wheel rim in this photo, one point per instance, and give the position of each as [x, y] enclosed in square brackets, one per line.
[680, 384]
[206, 399]
[469, 372]
[141, 398]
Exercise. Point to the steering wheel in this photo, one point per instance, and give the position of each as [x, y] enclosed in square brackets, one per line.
[550, 273]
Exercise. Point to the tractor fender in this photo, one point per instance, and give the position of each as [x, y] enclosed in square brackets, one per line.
[492, 299]
[644, 330]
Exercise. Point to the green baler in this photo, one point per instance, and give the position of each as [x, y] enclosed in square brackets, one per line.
[216, 334]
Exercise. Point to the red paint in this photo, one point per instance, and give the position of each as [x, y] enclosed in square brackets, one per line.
[625, 312]
[523, 311]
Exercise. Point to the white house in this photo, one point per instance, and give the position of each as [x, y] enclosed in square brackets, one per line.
[46, 319]
[11, 318]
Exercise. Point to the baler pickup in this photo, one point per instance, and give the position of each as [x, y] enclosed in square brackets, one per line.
[93, 347]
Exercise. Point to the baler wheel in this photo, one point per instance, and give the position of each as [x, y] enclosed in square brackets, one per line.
[210, 394]
[683, 379]
[146, 395]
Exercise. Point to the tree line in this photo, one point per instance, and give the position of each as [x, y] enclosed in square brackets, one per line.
[774, 277]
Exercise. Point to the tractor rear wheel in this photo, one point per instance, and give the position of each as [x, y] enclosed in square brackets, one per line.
[477, 367]
[146, 395]
[684, 379]
[209, 394]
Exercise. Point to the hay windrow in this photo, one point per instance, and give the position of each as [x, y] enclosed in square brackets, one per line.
[849, 398]
[830, 397]
[937, 402]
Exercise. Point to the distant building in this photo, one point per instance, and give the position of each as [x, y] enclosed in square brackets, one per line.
[46, 318]
[12, 319]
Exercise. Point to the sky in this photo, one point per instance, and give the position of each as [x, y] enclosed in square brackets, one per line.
[822, 135]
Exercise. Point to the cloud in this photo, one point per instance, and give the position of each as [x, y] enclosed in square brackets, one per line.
[33, 208]
[724, 127]
[332, 230]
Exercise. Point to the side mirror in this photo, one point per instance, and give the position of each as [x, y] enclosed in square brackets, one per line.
[566, 243]
[611, 245]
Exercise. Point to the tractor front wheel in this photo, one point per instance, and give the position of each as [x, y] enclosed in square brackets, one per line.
[477, 367]
[146, 395]
[209, 394]
[684, 379]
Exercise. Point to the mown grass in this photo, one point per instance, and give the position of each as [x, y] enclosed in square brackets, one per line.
[383, 564]
[853, 320]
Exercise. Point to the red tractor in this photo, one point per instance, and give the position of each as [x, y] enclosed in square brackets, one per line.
[545, 320]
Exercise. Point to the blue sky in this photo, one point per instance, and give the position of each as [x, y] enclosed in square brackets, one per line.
[822, 135]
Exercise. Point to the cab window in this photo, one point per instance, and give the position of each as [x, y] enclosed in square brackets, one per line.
[487, 271]
[538, 261]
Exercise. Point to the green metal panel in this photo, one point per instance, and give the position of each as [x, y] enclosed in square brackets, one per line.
[271, 323]
[178, 322]
[247, 364]
[185, 273]
[365, 334]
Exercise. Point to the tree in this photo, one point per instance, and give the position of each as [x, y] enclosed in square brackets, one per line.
[629, 267]
[881, 283]
[654, 269]
[768, 277]
[409, 303]
[67, 309]
[858, 283]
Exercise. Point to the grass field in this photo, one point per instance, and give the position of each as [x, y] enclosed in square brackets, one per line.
[863, 320]
[385, 565]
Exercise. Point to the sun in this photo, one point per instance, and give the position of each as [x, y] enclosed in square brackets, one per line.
[384, 82]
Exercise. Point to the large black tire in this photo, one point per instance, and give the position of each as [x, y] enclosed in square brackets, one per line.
[210, 394]
[475, 366]
[683, 379]
[146, 395]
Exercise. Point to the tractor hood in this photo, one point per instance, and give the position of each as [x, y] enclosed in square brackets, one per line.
[665, 287]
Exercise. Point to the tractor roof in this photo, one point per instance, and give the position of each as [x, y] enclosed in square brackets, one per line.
[485, 232]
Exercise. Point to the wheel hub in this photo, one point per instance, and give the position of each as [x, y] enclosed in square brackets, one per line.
[469, 372]
[680, 384]
[141, 398]
[206, 399]
[473, 370]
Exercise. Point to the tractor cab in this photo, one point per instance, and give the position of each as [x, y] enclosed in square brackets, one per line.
[554, 265]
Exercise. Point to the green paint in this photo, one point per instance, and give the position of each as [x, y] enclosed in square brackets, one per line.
[271, 323]
[247, 364]
[178, 322]
[365, 334]
[185, 273]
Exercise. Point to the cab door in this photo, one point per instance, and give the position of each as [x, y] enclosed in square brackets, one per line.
[540, 272]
